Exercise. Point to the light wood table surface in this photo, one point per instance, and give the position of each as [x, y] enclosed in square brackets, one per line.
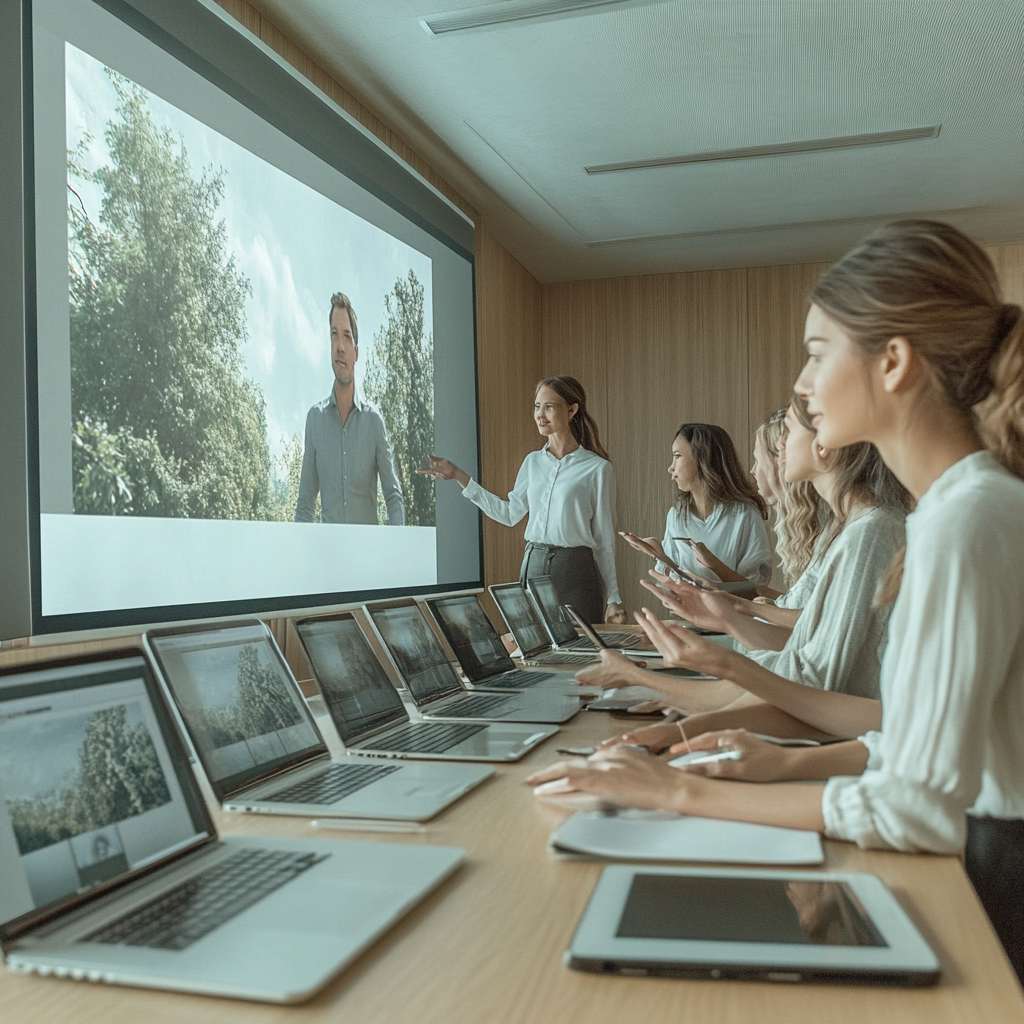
[487, 946]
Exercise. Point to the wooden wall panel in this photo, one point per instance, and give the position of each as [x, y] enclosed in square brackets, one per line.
[1009, 261]
[776, 310]
[508, 301]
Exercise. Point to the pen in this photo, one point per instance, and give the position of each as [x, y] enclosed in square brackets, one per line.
[367, 825]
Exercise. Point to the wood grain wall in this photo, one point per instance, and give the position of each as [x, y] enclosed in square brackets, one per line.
[721, 346]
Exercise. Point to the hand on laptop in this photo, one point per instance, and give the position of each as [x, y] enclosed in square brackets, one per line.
[655, 737]
[612, 670]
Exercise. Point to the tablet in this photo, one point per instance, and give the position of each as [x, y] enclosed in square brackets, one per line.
[749, 925]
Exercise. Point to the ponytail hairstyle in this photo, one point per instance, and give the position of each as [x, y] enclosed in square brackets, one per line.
[582, 425]
[929, 283]
[719, 468]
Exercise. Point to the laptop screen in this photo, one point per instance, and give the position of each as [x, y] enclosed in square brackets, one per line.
[421, 661]
[475, 641]
[95, 783]
[242, 707]
[559, 624]
[514, 604]
[358, 694]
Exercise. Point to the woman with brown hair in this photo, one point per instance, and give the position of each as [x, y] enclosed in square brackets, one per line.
[910, 348]
[567, 488]
[716, 527]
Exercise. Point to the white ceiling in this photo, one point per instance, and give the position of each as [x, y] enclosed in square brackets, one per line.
[511, 115]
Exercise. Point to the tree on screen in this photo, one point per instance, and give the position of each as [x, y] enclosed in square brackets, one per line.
[400, 381]
[263, 705]
[165, 420]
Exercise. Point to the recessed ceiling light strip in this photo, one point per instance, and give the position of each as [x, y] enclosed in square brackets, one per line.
[775, 149]
[511, 11]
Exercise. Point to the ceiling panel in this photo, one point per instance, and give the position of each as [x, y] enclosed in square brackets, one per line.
[513, 114]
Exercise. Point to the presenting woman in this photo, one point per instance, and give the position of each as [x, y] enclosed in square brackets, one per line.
[567, 488]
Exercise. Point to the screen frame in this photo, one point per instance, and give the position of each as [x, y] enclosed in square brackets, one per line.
[495, 589]
[205, 27]
[457, 688]
[399, 716]
[230, 786]
[508, 666]
[906, 957]
[177, 750]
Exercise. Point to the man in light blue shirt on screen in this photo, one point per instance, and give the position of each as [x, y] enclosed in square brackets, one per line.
[346, 446]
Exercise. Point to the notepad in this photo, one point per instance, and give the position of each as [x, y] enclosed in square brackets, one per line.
[658, 836]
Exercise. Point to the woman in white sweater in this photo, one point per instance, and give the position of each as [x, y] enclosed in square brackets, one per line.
[909, 347]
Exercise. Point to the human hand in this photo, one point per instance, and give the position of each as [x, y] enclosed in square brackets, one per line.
[703, 608]
[645, 545]
[612, 669]
[654, 737]
[759, 761]
[439, 468]
[615, 613]
[624, 777]
[681, 647]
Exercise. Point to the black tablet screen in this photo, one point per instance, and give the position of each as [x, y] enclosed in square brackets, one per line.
[711, 909]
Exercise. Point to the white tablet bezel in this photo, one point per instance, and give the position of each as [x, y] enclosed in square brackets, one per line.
[906, 958]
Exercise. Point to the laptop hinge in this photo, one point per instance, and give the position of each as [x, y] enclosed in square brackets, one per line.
[324, 755]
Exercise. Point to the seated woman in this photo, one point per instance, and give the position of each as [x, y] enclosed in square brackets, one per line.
[716, 527]
[837, 642]
[910, 348]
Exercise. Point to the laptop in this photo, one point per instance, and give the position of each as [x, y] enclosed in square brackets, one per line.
[482, 655]
[436, 690]
[113, 870]
[369, 714]
[516, 606]
[563, 633]
[259, 746]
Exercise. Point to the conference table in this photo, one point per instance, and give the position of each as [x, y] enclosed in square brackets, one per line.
[488, 944]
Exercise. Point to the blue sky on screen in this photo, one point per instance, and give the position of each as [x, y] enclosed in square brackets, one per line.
[295, 245]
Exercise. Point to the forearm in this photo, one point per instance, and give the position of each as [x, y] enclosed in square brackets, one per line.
[755, 716]
[804, 764]
[839, 714]
[785, 617]
[757, 635]
[784, 804]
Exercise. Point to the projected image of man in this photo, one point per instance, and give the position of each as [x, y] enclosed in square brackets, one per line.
[346, 445]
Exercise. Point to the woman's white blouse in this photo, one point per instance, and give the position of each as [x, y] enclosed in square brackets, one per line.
[733, 532]
[799, 594]
[570, 502]
[953, 677]
[838, 641]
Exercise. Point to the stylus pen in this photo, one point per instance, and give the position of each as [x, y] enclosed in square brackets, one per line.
[366, 825]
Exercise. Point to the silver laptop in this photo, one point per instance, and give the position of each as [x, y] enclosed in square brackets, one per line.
[369, 714]
[517, 608]
[113, 870]
[563, 633]
[260, 747]
[482, 655]
[433, 685]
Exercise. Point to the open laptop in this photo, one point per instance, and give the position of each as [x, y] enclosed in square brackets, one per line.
[434, 687]
[370, 716]
[482, 655]
[563, 633]
[259, 745]
[516, 606]
[113, 870]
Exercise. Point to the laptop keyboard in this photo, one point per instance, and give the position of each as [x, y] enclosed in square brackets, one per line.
[475, 706]
[517, 680]
[206, 900]
[340, 780]
[429, 737]
[566, 659]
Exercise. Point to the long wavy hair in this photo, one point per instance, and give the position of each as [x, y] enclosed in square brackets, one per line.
[769, 436]
[929, 283]
[582, 425]
[719, 469]
[862, 479]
